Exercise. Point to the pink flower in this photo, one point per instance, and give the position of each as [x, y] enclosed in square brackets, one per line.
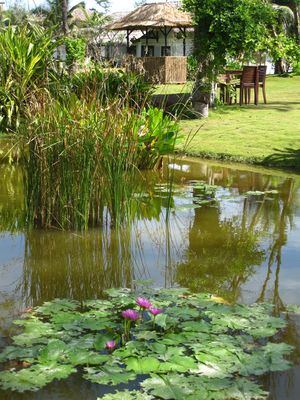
[155, 311]
[133, 315]
[110, 345]
[143, 303]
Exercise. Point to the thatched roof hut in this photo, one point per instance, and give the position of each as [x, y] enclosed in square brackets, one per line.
[154, 19]
[154, 15]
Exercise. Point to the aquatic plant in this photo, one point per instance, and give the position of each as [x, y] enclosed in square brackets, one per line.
[143, 303]
[109, 85]
[131, 315]
[111, 345]
[82, 160]
[155, 311]
[198, 347]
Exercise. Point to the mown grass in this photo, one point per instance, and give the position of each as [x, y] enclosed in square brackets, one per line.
[250, 134]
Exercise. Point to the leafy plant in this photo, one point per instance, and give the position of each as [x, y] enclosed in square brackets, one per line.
[26, 57]
[199, 347]
[109, 85]
[83, 160]
[75, 49]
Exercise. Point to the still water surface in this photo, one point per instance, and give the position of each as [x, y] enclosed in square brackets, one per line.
[238, 238]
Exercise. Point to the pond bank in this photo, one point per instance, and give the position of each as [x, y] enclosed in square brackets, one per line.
[267, 134]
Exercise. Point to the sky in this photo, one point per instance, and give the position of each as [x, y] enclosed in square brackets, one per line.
[116, 5]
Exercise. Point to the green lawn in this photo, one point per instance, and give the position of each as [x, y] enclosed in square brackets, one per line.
[249, 133]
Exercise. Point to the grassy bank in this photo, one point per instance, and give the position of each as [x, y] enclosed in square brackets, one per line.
[251, 134]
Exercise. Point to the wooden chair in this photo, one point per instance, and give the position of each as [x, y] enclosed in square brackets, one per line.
[262, 72]
[248, 81]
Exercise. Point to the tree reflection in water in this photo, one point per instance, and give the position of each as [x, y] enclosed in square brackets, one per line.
[222, 251]
[222, 255]
[225, 250]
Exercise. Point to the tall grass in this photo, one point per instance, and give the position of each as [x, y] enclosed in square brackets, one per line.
[107, 85]
[84, 158]
[85, 136]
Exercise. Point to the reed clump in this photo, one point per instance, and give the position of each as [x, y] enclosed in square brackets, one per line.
[83, 160]
[84, 137]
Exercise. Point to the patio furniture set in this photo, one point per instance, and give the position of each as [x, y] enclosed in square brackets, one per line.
[247, 79]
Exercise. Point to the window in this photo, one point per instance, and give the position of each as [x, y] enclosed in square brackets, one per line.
[132, 50]
[150, 51]
[165, 51]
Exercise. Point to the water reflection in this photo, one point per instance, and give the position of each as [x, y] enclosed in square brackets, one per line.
[222, 254]
[239, 245]
[219, 247]
[80, 266]
[11, 198]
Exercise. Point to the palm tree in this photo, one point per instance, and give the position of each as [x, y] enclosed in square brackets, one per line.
[57, 13]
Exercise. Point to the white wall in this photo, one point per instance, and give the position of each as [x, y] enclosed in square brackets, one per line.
[172, 41]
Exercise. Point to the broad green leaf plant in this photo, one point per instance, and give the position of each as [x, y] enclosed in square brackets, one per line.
[175, 345]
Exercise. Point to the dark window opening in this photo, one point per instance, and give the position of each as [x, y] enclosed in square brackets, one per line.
[132, 50]
[165, 51]
[150, 52]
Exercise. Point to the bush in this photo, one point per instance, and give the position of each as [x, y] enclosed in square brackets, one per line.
[76, 50]
[26, 55]
[108, 85]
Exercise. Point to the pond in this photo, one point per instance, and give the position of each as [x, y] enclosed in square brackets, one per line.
[229, 230]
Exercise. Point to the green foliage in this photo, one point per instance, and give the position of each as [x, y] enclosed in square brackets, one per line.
[26, 56]
[296, 68]
[210, 352]
[192, 65]
[286, 48]
[109, 85]
[228, 28]
[157, 136]
[75, 49]
[83, 158]
[34, 377]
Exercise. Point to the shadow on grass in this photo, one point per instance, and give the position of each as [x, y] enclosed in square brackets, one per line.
[277, 106]
[288, 158]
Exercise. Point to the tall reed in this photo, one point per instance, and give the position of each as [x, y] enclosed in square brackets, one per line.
[84, 158]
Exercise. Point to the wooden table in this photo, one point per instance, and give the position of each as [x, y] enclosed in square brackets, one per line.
[227, 86]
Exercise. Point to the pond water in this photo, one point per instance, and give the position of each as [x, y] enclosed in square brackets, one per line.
[230, 230]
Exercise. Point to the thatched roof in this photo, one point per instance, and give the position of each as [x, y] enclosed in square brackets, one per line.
[155, 15]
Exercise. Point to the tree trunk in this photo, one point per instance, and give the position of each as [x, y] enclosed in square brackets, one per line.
[202, 91]
[200, 100]
[64, 14]
[280, 68]
[296, 11]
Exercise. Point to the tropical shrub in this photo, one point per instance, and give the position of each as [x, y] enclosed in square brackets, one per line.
[175, 345]
[75, 50]
[156, 134]
[26, 54]
[109, 85]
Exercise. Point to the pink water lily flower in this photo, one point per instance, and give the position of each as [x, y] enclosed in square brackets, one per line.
[133, 315]
[110, 345]
[143, 303]
[155, 311]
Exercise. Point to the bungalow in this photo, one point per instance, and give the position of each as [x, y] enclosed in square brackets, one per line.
[165, 41]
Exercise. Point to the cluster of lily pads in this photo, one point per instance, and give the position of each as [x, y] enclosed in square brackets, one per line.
[166, 344]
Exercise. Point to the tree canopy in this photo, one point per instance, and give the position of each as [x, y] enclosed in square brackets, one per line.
[229, 28]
